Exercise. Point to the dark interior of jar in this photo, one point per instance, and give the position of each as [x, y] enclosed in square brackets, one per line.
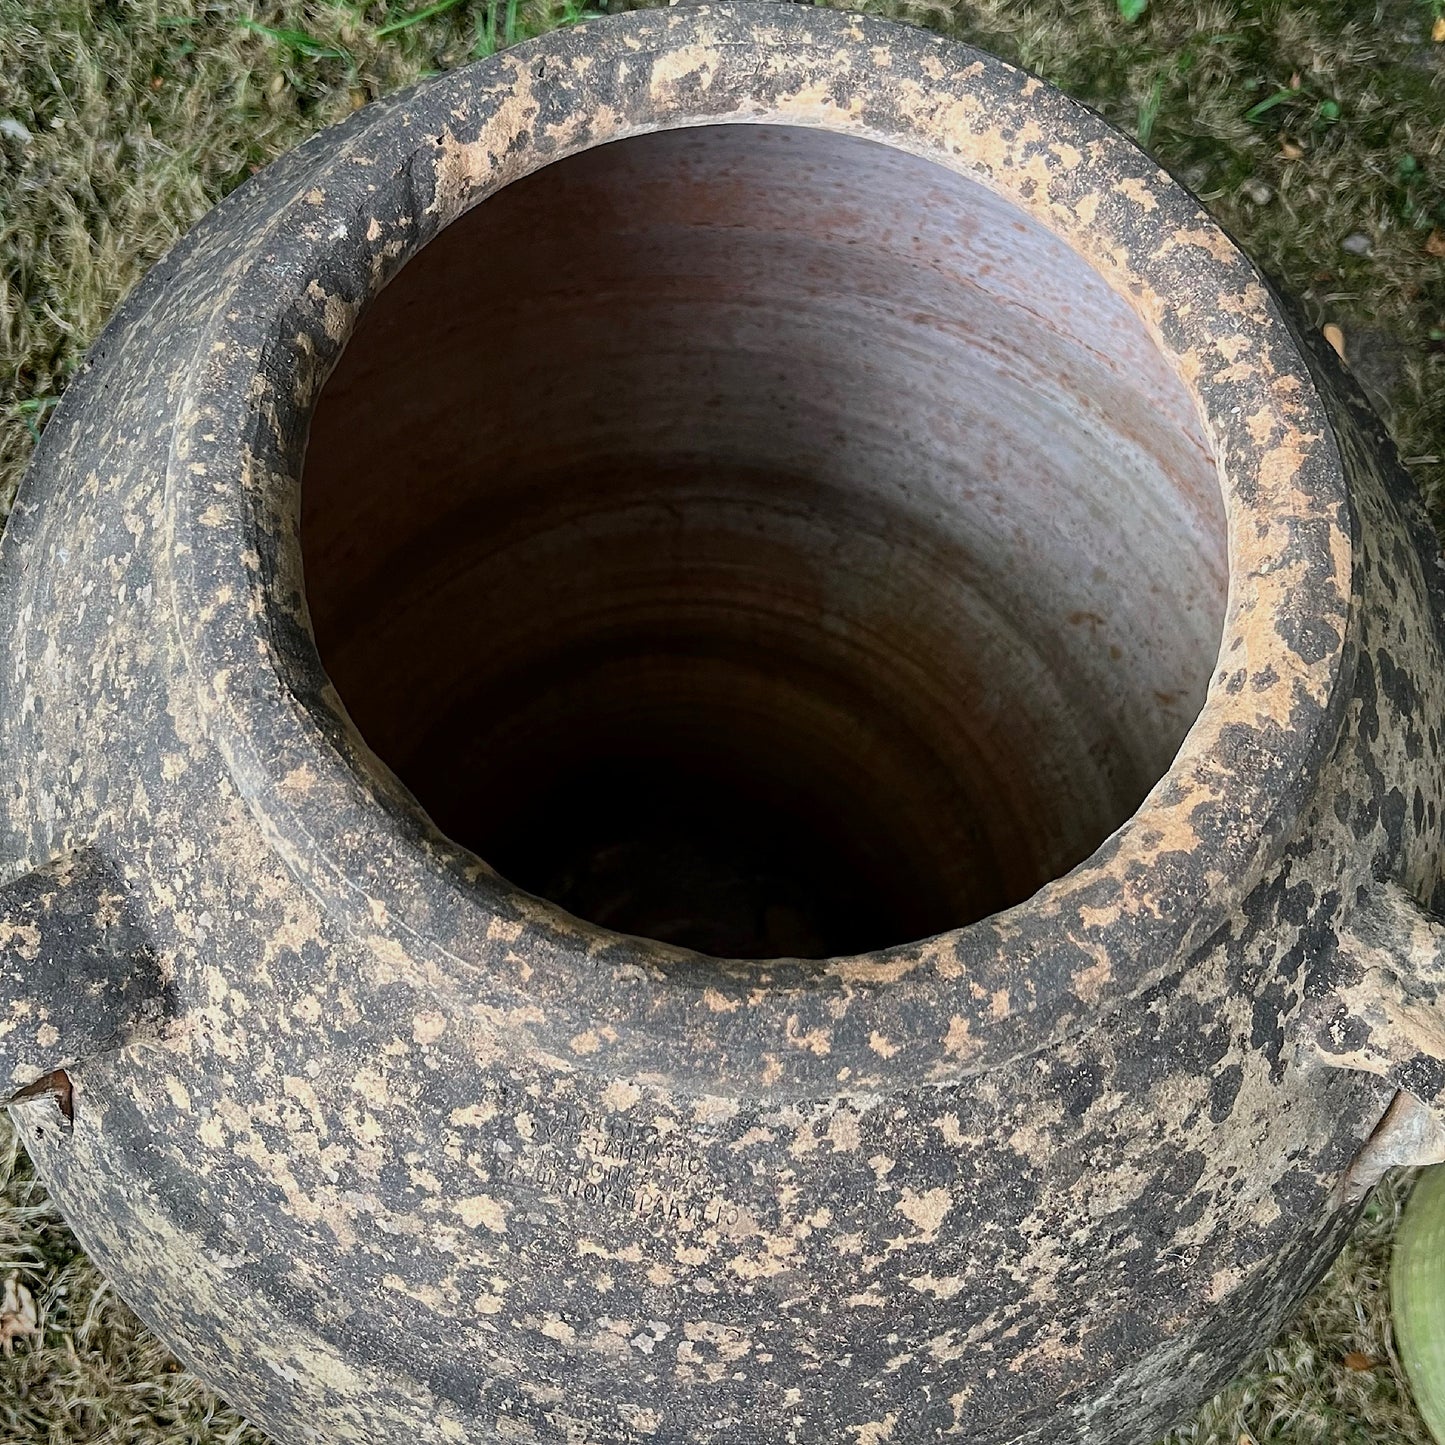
[764, 541]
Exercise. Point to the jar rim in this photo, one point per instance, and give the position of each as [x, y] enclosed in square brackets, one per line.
[962, 1002]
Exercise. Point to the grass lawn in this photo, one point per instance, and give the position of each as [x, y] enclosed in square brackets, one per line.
[1314, 129]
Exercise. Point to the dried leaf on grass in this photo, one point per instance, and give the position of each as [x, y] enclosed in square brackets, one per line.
[18, 1313]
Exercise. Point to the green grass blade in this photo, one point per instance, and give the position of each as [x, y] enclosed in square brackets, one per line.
[1149, 111]
[1269, 103]
[297, 40]
[409, 20]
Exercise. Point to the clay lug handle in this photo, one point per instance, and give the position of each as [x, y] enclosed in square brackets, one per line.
[1383, 1012]
[78, 977]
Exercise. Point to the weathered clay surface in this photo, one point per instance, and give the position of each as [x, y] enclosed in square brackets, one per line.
[419, 1157]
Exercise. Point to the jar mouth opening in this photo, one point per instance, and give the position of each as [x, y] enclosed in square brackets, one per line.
[754, 573]
[1168, 873]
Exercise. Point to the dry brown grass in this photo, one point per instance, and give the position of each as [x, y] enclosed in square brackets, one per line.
[1315, 130]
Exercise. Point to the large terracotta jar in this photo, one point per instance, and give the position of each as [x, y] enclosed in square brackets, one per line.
[714, 733]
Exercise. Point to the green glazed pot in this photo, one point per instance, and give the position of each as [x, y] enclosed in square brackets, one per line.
[1417, 1297]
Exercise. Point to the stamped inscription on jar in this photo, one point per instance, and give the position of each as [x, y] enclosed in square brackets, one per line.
[598, 1158]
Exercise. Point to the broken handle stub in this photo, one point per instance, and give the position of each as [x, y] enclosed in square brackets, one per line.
[78, 977]
[1384, 1013]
